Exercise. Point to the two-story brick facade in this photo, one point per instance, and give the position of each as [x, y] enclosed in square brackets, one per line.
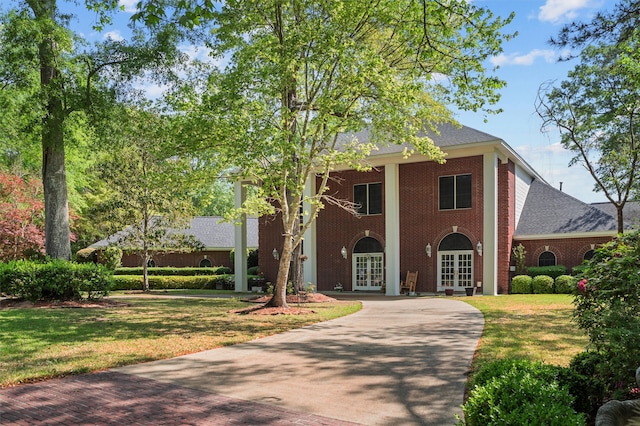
[454, 223]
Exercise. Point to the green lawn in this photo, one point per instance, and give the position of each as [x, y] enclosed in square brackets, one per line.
[39, 343]
[42, 343]
[537, 327]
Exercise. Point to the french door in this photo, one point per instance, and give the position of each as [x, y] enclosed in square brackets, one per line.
[455, 269]
[368, 271]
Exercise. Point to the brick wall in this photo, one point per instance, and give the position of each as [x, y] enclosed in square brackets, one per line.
[421, 221]
[336, 228]
[506, 222]
[569, 251]
[182, 260]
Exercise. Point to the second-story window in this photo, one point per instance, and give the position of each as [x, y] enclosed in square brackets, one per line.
[368, 198]
[455, 192]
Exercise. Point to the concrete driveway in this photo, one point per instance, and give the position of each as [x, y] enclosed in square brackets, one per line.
[399, 361]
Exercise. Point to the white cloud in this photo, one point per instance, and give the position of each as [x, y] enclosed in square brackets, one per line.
[561, 10]
[527, 59]
[129, 5]
[113, 35]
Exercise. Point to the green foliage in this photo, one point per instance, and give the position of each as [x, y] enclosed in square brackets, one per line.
[584, 383]
[565, 284]
[595, 111]
[290, 289]
[520, 257]
[112, 257]
[520, 393]
[578, 270]
[521, 284]
[607, 302]
[161, 282]
[552, 271]
[253, 270]
[54, 280]
[170, 271]
[542, 284]
[87, 255]
[307, 72]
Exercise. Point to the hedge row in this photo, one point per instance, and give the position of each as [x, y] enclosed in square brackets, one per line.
[54, 280]
[173, 271]
[543, 284]
[212, 282]
[551, 271]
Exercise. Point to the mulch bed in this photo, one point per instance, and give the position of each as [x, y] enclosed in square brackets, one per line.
[292, 299]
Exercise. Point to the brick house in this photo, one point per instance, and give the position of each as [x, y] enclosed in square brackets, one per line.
[454, 223]
[218, 239]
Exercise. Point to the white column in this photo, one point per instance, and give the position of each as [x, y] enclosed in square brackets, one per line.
[240, 258]
[490, 225]
[310, 266]
[392, 229]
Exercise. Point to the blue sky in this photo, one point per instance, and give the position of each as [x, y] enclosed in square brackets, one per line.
[527, 62]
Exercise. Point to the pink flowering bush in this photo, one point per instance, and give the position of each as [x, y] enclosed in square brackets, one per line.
[607, 308]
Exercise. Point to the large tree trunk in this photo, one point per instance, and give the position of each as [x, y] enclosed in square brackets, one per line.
[54, 177]
[279, 298]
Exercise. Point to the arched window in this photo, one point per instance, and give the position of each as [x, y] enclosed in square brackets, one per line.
[151, 263]
[455, 241]
[205, 263]
[547, 258]
[588, 255]
[368, 245]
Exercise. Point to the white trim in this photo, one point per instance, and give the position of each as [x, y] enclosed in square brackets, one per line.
[490, 225]
[571, 236]
[310, 266]
[392, 229]
[240, 236]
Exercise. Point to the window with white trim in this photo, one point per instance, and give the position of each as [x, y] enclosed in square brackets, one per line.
[455, 192]
[368, 198]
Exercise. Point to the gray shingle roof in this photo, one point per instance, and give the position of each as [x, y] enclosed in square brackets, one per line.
[549, 211]
[448, 136]
[630, 212]
[212, 233]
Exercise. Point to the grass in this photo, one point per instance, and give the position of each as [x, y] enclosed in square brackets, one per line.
[535, 327]
[38, 344]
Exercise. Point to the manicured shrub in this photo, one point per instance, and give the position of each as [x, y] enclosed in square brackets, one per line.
[542, 284]
[252, 270]
[521, 284]
[565, 284]
[211, 282]
[577, 271]
[87, 255]
[607, 302]
[112, 257]
[54, 280]
[552, 271]
[522, 393]
[167, 271]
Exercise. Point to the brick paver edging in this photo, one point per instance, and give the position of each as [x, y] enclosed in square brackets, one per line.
[111, 398]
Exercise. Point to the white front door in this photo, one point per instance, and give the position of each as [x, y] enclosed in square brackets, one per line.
[455, 269]
[368, 271]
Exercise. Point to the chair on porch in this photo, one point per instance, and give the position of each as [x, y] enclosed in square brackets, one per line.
[409, 283]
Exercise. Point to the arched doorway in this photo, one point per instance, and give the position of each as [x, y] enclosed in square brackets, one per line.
[455, 262]
[368, 264]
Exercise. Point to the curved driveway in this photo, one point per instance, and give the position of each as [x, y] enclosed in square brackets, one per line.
[399, 361]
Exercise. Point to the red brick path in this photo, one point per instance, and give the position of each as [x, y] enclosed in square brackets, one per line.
[111, 398]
